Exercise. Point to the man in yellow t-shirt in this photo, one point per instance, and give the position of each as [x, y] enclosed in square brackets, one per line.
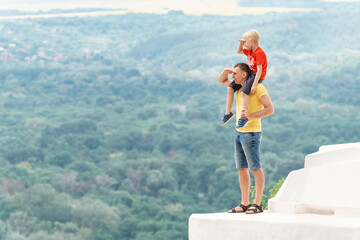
[248, 138]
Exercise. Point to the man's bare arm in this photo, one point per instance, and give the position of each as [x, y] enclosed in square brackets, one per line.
[265, 112]
[223, 77]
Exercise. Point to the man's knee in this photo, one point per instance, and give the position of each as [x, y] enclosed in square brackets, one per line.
[243, 170]
[257, 171]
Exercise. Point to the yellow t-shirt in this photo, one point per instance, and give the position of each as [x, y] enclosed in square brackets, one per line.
[254, 124]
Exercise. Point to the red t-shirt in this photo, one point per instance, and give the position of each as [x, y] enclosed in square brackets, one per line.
[256, 58]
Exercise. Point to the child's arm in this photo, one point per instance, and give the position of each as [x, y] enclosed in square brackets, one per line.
[257, 78]
[241, 46]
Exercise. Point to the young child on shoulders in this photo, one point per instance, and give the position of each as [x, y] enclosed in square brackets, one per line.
[257, 62]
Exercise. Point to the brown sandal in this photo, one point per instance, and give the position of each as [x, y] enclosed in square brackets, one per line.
[244, 209]
[254, 208]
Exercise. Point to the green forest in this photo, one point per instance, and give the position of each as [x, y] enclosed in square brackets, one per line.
[110, 125]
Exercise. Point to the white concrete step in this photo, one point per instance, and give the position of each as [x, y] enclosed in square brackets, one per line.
[274, 226]
[338, 146]
[332, 188]
[333, 155]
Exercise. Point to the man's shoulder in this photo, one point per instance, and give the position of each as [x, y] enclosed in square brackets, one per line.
[260, 86]
[261, 90]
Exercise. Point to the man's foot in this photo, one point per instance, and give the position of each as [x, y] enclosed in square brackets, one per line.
[242, 122]
[254, 208]
[227, 118]
[239, 209]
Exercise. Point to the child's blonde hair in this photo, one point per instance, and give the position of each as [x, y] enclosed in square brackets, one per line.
[253, 34]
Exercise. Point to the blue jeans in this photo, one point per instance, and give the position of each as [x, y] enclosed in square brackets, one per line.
[247, 150]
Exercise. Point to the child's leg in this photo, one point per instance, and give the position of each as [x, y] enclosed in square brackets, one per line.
[246, 89]
[245, 105]
[230, 100]
[245, 101]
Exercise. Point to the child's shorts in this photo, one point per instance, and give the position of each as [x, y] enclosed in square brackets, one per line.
[249, 82]
[235, 86]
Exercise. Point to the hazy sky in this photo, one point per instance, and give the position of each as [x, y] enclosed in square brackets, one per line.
[196, 7]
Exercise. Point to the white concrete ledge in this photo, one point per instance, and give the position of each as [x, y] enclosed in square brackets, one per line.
[338, 146]
[333, 156]
[274, 226]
